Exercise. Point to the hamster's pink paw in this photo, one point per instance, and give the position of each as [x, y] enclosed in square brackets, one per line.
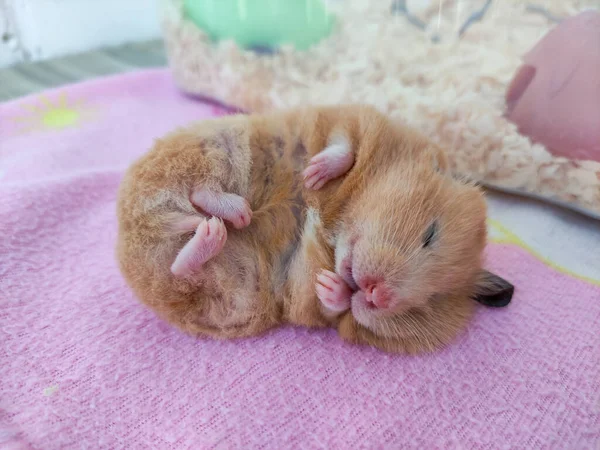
[333, 162]
[230, 207]
[208, 241]
[333, 291]
[241, 213]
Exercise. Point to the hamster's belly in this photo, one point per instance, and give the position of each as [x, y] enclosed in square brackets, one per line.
[277, 203]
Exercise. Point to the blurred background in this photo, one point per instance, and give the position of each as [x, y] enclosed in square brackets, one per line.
[50, 43]
[42, 29]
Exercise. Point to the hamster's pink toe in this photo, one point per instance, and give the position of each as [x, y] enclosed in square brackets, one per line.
[244, 215]
[332, 291]
[315, 176]
[208, 241]
[230, 207]
[331, 163]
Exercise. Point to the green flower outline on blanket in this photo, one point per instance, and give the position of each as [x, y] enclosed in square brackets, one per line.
[500, 234]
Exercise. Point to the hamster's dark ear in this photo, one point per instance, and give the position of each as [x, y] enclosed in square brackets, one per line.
[491, 290]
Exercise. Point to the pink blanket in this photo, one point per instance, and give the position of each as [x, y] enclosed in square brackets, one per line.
[83, 365]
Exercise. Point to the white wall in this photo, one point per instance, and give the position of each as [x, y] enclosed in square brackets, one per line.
[41, 29]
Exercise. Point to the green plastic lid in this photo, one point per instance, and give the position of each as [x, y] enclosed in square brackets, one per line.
[262, 23]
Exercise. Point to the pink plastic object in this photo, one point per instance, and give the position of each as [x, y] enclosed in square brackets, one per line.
[555, 96]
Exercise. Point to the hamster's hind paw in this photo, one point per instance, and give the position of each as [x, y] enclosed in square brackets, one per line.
[335, 161]
[230, 207]
[333, 292]
[208, 241]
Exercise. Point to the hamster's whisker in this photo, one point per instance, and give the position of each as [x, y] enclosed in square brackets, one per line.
[386, 328]
[416, 249]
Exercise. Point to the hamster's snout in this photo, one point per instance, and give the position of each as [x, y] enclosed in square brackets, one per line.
[377, 295]
[371, 291]
[374, 296]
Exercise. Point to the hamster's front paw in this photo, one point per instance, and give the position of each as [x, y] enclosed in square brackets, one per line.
[333, 292]
[230, 207]
[335, 161]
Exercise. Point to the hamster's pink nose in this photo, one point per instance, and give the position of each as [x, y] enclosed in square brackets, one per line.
[377, 296]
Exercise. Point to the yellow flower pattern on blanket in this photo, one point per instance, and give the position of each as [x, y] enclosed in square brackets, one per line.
[58, 114]
[500, 234]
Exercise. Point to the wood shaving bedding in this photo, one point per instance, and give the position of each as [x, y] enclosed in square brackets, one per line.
[450, 87]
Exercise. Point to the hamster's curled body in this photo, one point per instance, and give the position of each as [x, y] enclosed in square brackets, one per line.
[321, 217]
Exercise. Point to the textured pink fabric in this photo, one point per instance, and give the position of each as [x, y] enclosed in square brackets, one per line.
[83, 365]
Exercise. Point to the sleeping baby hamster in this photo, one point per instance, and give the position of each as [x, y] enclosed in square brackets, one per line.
[321, 217]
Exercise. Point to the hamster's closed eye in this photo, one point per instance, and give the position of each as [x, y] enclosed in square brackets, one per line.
[430, 235]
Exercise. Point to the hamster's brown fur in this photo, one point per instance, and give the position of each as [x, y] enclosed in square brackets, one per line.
[265, 274]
